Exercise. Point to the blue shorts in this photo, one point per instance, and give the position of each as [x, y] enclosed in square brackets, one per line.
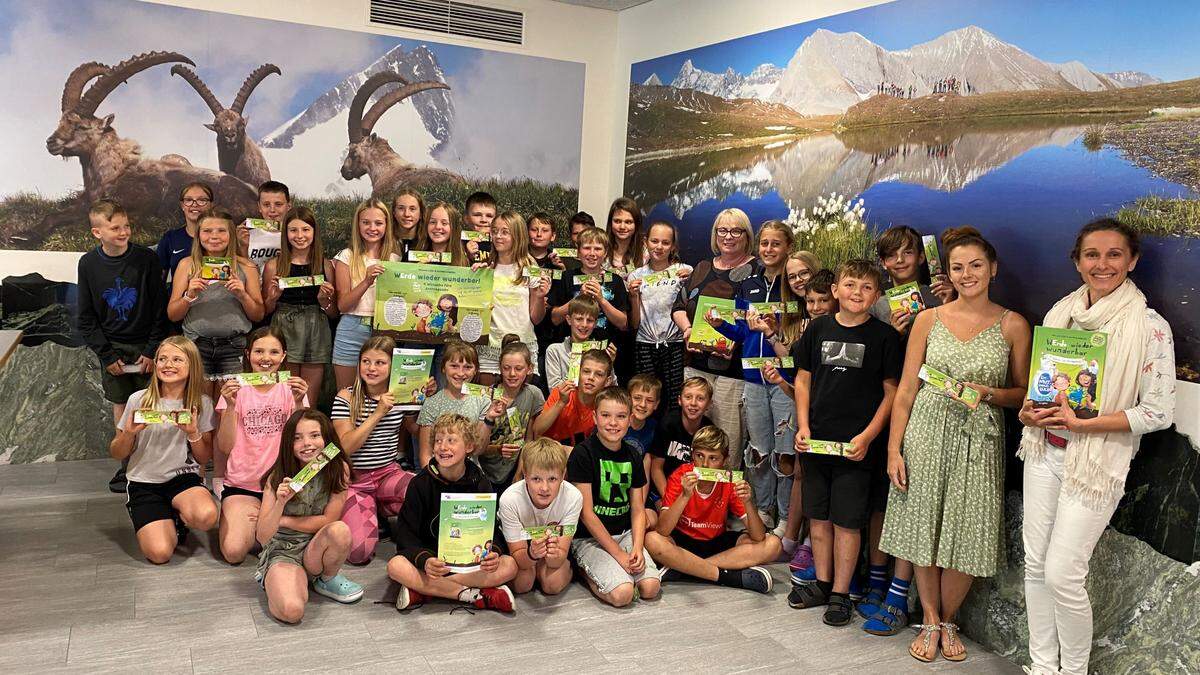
[352, 333]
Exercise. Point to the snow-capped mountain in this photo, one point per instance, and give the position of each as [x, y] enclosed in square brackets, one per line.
[829, 72]
[435, 107]
[1133, 78]
[652, 81]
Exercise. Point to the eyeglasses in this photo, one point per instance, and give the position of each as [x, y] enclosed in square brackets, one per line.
[201, 201]
[799, 276]
[736, 233]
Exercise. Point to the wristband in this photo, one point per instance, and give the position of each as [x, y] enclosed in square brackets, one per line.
[529, 553]
[198, 438]
[489, 422]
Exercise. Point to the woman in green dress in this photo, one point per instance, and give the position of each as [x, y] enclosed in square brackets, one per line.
[945, 512]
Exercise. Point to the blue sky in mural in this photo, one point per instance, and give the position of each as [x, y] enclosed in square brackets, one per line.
[1157, 37]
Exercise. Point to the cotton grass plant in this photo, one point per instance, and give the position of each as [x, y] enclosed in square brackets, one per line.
[835, 229]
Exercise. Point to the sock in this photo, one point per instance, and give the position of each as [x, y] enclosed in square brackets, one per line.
[468, 595]
[878, 580]
[808, 542]
[730, 578]
[898, 594]
[789, 546]
[826, 587]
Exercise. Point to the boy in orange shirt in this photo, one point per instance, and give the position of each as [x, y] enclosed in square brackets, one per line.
[569, 415]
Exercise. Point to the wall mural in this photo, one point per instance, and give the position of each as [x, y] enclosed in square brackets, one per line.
[137, 99]
[1025, 119]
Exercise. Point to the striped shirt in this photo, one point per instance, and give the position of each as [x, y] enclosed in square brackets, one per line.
[382, 445]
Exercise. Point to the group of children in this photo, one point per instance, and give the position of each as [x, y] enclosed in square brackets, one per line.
[587, 429]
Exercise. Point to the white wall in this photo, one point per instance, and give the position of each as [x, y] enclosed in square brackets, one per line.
[552, 29]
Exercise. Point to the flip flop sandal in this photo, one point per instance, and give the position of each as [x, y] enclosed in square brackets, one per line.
[952, 633]
[927, 630]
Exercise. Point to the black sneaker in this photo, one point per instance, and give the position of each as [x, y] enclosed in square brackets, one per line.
[118, 483]
[757, 579]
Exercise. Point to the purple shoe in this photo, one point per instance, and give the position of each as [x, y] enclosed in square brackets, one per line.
[802, 559]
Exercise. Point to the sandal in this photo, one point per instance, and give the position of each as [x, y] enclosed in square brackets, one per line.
[927, 630]
[952, 637]
[804, 596]
[867, 607]
[889, 620]
[839, 611]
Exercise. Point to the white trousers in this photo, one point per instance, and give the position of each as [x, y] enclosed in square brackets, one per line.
[1059, 534]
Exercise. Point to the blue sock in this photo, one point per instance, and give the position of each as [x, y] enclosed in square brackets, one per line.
[879, 580]
[898, 594]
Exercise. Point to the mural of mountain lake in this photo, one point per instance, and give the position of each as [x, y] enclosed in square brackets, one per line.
[1028, 185]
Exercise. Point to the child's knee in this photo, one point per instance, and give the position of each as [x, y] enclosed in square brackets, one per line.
[158, 552]
[201, 516]
[655, 542]
[401, 570]
[339, 535]
[553, 584]
[234, 552]
[288, 610]
[649, 588]
[523, 582]
[621, 595]
[772, 546]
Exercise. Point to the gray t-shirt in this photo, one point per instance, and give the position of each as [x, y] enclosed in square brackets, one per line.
[656, 325]
[442, 403]
[515, 423]
[216, 313]
[161, 451]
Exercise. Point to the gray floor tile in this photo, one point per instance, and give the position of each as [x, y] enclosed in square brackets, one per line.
[34, 649]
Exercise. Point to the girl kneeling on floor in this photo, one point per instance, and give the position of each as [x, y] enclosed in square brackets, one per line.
[300, 532]
[166, 494]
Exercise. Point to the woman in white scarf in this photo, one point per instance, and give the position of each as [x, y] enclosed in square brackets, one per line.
[1075, 468]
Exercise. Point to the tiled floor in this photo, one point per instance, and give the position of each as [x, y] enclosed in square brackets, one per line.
[77, 597]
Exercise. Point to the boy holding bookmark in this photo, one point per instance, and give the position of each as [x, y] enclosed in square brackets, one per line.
[582, 313]
[690, 537]
[569, 414]
[847, 368]
[591, 279]
[538, 505]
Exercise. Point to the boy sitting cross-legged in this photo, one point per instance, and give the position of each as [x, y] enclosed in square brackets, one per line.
[541, 500]
[691, 537]
[609, 475]
[416, 565]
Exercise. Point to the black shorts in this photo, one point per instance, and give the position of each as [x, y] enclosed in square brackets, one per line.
[229, 491]
[880, 483]
[706, 548]
[148, 502]
[118, 388]
[836, 489]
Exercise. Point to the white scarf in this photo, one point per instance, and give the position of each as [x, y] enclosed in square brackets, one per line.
[1097, 464]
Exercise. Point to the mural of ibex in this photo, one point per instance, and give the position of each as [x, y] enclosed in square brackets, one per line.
[114, 166]
[237, 153]
[368, 154]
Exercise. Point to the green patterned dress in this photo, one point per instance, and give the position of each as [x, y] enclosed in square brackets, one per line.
[288, 545]
[953, 513]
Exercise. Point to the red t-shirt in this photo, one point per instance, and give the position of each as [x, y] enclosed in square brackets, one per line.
[704, 516]
[575, 421]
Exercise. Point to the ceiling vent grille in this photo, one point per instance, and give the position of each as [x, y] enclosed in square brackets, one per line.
[452, 18]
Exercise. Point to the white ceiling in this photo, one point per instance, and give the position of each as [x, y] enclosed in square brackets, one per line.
[614, 5]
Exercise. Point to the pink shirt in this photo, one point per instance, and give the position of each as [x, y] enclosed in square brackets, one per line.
[260, 418]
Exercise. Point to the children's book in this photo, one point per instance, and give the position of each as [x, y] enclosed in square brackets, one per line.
[466, 524]
[949, 386]
[215, 268]
[297, 282]
[760, 361]
[576, 358]
[254, 379]
[178, 417]
[704, 337]
[565, 252]
[581, 279]
[429, 257]
[834, 448]
[905, 297]
[314, 466]
[932, 258]
[719, 475]
[539, 531]
[1067, 364]
[410, 372]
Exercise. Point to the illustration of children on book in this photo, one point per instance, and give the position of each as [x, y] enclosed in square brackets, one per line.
[914, 302]
[445, 318]
[455, 533]
[477, 553]
[422, 309]
[1082, 396]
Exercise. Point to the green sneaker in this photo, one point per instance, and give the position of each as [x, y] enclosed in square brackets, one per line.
[339, 588]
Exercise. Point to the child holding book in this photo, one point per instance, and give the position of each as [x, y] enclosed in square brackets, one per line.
[166, 494]
[408, 215]
[368, 424]
[582, 312]
[355, 270]
[608, 474]
[659, 346]
[416, 566]
[301, 314]
[903, 258]
[590, 280]
[442, 233]
[672, 446]
[848, 365]
[120, 308]
[459, 365]
[691, 538]
[541, 500]
[569, 413]
[522, 403]
[518, 302]
[249, 437]
[302, 538]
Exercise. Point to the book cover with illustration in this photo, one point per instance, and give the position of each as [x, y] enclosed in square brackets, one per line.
[466, 524]
[1068, 364]
[576, 358]
[216, 268]
[298, 282]
[932, 258]
[949, 386]
[410, 372]
[906, 297]
[706, 338]
[314, 466]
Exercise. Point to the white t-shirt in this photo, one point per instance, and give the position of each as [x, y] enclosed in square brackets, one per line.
[366, 304]
[656, 325]
[161, 451]
[517, 511]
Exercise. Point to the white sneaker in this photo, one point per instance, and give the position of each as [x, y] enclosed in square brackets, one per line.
[780, 529]
[768, 521]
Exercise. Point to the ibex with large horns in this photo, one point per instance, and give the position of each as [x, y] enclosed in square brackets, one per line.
[114, 166]
[371, 155]
[237, 153]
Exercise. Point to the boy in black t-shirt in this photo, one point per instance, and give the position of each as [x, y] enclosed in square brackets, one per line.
[608, 548]
[847, 368]
[589, 279]
[672, 445]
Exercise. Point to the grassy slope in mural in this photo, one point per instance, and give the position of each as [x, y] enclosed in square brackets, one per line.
[333, 213]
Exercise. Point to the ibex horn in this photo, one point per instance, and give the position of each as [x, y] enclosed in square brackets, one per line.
[259, 74]
[193, 79]
[360, 100]
[77, 80]
[120, 73]
[392, 98]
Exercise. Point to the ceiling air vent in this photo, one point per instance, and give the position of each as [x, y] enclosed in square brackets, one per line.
[451, 18]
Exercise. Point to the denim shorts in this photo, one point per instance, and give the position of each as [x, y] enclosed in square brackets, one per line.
[353, 331]
[221, 355]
